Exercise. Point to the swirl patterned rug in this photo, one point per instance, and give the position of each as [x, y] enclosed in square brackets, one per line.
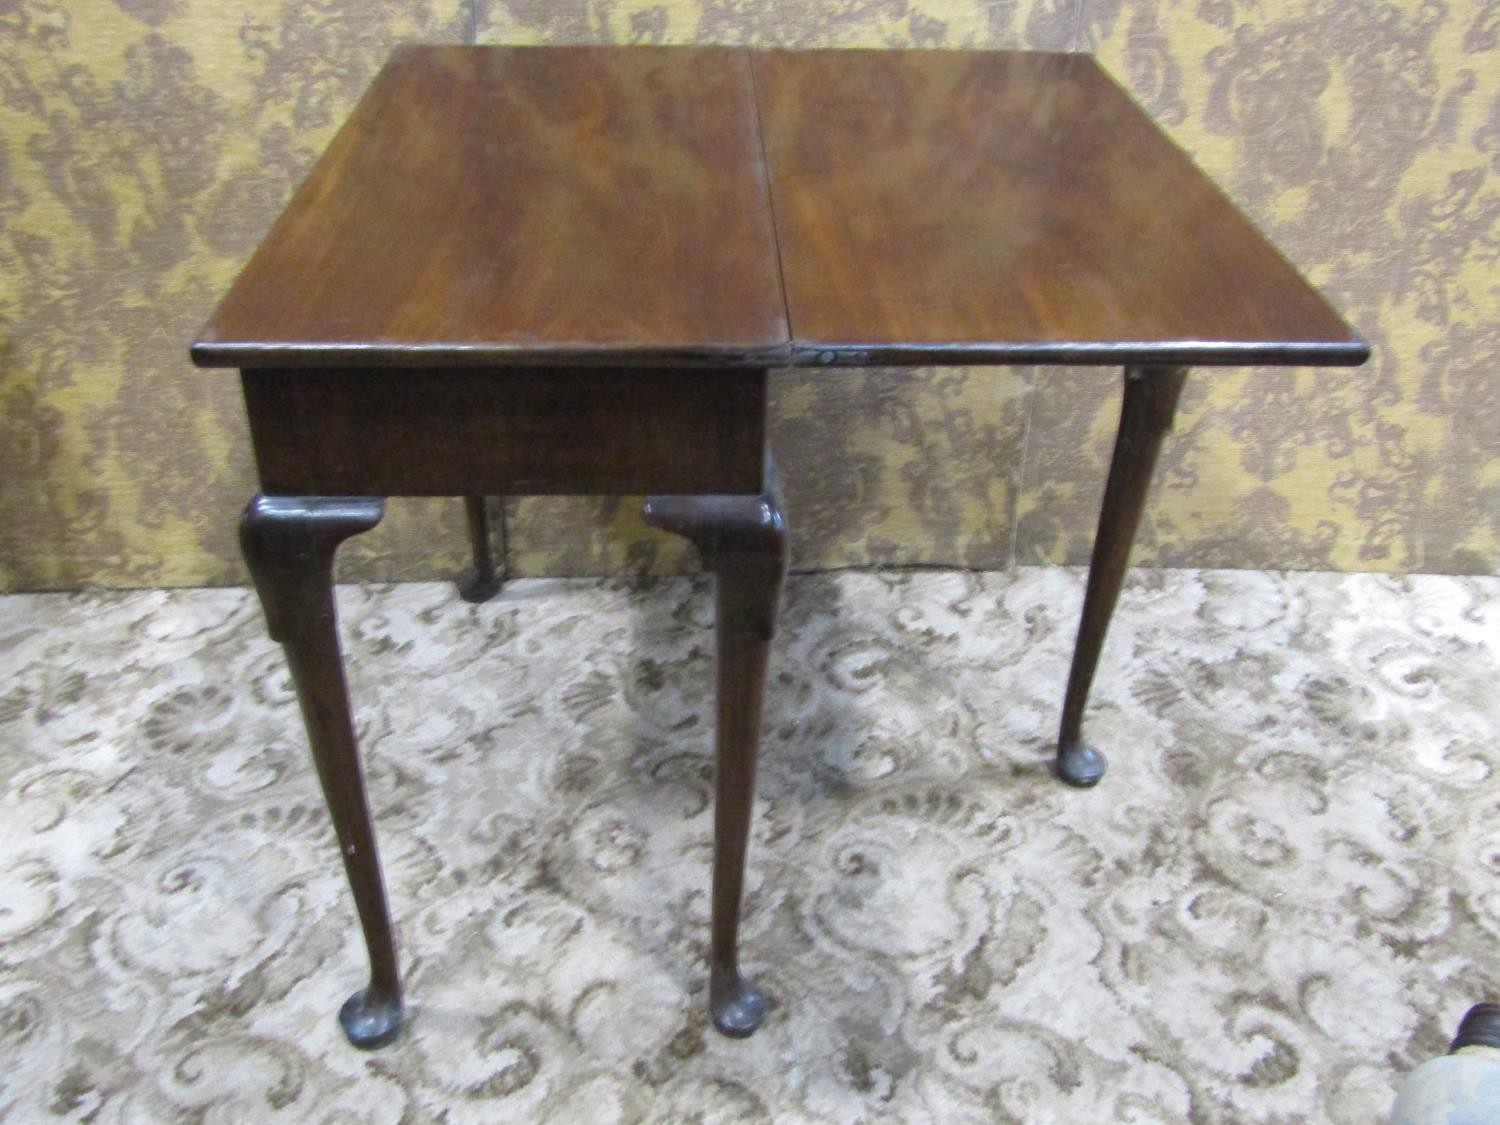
[1281, 898]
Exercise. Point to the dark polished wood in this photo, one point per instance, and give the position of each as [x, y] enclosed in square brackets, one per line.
[1146, 414]
[744, 541]
[1009, 207]
[480, 581]
[469, 431]
[289, 543]
[489, 205]
[930, 207]
[531, 271]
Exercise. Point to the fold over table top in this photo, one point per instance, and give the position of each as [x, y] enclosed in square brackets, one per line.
[653, 206]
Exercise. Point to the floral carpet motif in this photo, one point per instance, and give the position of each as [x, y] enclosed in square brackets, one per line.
[1280, 899]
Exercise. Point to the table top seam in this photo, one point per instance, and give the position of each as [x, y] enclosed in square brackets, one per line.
[765, 179]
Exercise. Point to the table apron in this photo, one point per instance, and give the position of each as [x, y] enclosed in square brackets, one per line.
[507, 432]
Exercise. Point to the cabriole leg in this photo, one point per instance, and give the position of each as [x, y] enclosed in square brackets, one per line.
[743, 540]
[289, 543]
[1145, 417]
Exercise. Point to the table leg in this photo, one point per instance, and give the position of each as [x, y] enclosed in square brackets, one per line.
[743, 540]
[479, 582]
[1145, 417]
[289, 543]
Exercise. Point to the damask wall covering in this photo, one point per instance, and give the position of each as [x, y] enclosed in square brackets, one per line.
[145, 145]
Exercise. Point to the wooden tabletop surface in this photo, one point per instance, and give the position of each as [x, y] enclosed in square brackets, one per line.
[494, 205]
[711, 207]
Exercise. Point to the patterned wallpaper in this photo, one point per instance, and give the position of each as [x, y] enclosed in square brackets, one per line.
[145, 145]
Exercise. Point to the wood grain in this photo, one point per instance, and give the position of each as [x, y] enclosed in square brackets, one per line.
[1007, 207]
[489, 205]
[520, 432]
[709, 207]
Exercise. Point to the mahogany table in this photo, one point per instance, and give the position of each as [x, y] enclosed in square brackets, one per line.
[545, 271]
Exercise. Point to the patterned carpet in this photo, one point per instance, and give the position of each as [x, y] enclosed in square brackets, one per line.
[1281, 898]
